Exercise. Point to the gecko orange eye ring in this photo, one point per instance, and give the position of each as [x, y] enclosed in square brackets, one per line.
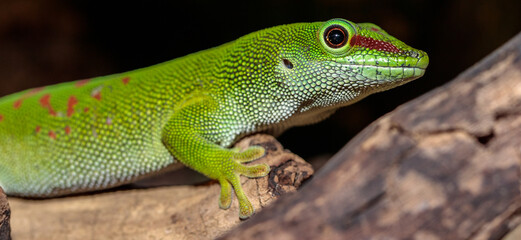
[336, 36]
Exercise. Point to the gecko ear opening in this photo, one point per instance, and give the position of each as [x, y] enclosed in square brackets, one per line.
[287, 63]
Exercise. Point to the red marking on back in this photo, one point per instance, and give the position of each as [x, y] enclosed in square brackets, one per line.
[18, 103]
[38, 129]
[86, 109]
[125, 80]
[1, 117]
[374, 44]
[45, 101]
[375, 29]
[70, 105]
[52, 134]
[80, 83]
[97, 95]
[67, 130]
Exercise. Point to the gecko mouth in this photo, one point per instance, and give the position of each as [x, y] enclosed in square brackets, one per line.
[386, 70]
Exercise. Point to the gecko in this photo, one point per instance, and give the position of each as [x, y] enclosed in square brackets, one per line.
[106, 131]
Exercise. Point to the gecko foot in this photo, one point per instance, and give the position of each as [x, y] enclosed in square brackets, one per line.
[231, 179]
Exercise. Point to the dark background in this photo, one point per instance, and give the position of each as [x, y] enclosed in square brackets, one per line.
[50, 41]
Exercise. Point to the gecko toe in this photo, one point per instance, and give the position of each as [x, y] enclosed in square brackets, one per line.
[258, 170]
[225, 199]
[250, 154]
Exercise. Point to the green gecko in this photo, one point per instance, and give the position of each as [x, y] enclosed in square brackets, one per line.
[107, 131]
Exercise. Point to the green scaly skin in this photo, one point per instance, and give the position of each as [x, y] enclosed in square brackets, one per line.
[106, 131]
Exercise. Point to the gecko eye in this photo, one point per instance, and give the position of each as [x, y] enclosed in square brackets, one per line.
[335, 36]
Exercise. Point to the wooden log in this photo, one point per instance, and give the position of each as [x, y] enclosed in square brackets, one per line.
[444, 166]
[5, 217]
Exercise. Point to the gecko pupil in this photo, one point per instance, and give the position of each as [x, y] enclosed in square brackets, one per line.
[336, 36]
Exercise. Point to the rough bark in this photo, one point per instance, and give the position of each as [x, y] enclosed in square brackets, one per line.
[444, 166]
[171, 212]
[5, 217]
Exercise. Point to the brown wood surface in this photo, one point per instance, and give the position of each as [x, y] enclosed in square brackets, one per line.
[444, 166]
[168, 212]
[5, 217]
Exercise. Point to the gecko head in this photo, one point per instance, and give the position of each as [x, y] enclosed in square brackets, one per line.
[336, 63]
[298, 73]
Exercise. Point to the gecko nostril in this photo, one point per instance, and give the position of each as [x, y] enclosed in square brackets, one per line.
[287, 63]
[413, 54]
